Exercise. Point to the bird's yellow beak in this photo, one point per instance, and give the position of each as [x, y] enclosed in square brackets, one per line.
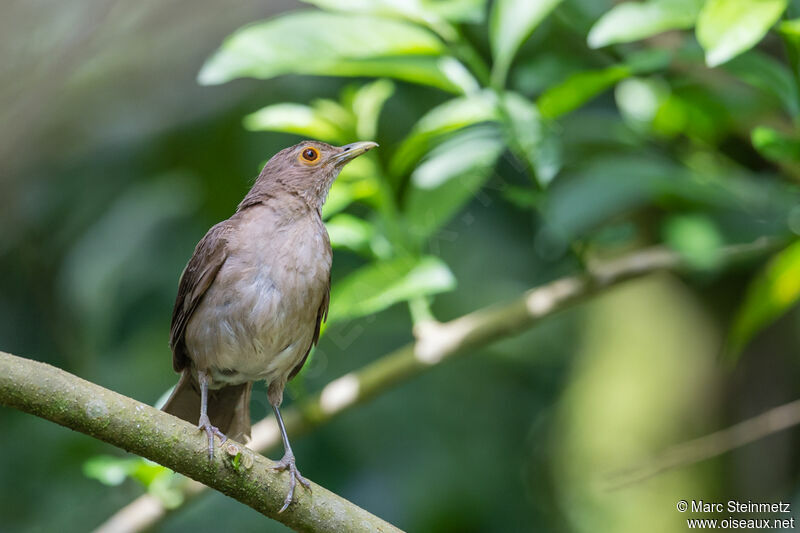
[351, 151]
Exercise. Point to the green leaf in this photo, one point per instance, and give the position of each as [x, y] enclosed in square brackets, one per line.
[448, 117]
[297, 119]
[467, 11]
[790, 28]
[523, 197]
[767, 74]
[726, 28]
[775, 145]
[632, 21]
[578, 89]
[367, 104]
[327, 120]
[531, 139]
[331, 44]
[510, 24]
[428, 12]
[790, 31]
[771, 294]
[607, 186]
[377, 286]
[353, 233]
[449, 177]
[147, 472]
[581, 87]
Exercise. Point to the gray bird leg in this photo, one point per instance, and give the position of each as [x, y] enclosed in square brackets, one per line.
[288, 463]
[204, 423]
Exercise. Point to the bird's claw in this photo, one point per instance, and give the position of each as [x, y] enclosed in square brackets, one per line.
[205, 425]
[288, 463]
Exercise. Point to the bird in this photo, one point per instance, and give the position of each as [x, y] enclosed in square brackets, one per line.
[254, 295]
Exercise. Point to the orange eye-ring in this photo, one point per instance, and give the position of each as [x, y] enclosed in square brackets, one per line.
[309, 154]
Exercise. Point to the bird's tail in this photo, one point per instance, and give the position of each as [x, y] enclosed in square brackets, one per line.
[228, 407]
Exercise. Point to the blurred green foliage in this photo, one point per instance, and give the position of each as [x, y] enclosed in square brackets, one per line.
[771, 293]
[520, 141]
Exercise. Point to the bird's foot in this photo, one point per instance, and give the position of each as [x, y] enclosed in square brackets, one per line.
[205, 425]
[288, 463]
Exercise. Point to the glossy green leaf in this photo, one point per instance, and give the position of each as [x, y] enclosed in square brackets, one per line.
[510, 24]
[327, 120]
[331, 44]
[581, 87]
[578, 89]
[449, 177]
[445, 118]
[297, 119]
[726, 28]
[367, 104]
[632, 21]
[379, 285]
[771, 293]
[531, 139]
[429, 12]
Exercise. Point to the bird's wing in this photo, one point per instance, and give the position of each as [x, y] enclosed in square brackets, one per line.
[209, 256]
[322, 316]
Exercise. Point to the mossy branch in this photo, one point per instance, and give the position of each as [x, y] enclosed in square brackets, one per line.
[437, 343]
[58, 396]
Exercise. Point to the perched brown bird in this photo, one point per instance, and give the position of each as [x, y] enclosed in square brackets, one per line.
[253, 296]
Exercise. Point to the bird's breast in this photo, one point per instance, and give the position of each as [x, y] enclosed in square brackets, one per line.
[257, 319]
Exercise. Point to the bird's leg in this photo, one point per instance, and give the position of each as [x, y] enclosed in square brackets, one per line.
[288, 463]
[204, 423]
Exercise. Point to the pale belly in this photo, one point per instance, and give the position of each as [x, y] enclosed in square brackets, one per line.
[257, 320]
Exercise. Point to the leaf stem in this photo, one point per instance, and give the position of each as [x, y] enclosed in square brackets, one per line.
[420, 309]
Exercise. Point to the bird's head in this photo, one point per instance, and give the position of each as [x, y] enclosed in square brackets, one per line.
[307, 169]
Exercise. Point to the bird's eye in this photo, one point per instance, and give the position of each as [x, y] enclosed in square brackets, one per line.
[310, 154]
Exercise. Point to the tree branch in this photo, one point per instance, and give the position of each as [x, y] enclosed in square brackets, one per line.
[55, 395]
[437, 343]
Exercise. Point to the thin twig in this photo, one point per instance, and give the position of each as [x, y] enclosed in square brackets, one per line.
[706, 447]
